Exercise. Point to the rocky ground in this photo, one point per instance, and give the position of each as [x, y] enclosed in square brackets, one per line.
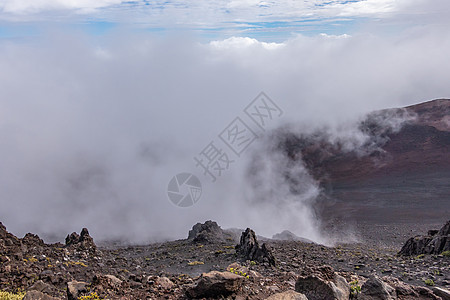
[370, 269]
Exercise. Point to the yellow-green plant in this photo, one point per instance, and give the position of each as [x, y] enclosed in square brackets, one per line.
[11, 296]
[238, 272]
[429, 282]
[355, 288]
[446, 253]
[92, 296]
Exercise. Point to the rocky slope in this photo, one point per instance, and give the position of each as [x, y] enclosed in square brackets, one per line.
[217, 269]
[400, 172]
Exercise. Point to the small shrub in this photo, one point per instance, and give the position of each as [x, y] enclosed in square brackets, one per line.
[446, 253]
[355, 289]
[92, 296]
[11, 296]
[429, 282]
[235, 271]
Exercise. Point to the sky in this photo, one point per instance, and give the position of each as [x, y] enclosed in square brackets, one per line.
[103, 102]
[266, 20]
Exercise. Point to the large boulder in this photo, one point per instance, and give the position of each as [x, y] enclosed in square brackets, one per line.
[215, 284]
[433, 243]
[36, 295]
[406, 291]
[209, 232]
[323, 283]
[375, 289]
[249, 249]
[75, 289]
[288, 295]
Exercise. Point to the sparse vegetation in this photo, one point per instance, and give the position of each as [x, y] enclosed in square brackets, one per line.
[92, 296]
[446, 253]
[429, 282]
[355, 289]
[11, 296]
[238, 272]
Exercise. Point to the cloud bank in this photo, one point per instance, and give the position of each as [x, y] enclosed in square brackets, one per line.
[92, 130]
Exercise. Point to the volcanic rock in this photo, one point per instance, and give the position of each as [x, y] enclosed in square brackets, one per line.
[406, 291]
[81, 242]
[286, 235]
[374, 288]
[323, 283]
[75, 289]
[288, 295]
[208, 232]
[430, 244]
[215, 284]
[249, 249]
[36, 295]
[443, 293]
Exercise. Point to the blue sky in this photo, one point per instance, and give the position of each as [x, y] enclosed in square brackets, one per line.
[265, 20]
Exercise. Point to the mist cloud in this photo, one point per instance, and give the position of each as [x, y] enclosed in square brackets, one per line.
[92, 130]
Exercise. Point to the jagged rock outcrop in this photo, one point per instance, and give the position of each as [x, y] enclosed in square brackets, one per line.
[82, 241]
[209, 232]
[215, 284]
[249, 249]
[323, 283]
[433, 243]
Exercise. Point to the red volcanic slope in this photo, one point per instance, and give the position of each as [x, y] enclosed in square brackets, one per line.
[422, 145]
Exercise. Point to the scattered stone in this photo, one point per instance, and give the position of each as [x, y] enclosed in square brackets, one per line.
[164, 282]
[215, 284]
[249, 249]
[288, 295]
[75, 289]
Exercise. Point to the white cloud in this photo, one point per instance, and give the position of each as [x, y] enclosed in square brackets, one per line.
[243, 42]
[36, 6]
[93, 130]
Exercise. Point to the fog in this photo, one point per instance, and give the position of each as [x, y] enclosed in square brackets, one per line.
[93, 128]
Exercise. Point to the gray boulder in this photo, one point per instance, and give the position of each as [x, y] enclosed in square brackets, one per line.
[215, 284]
[36, 295]
[288, 295]
[323, 284]
[75, 289]
[374, 288]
